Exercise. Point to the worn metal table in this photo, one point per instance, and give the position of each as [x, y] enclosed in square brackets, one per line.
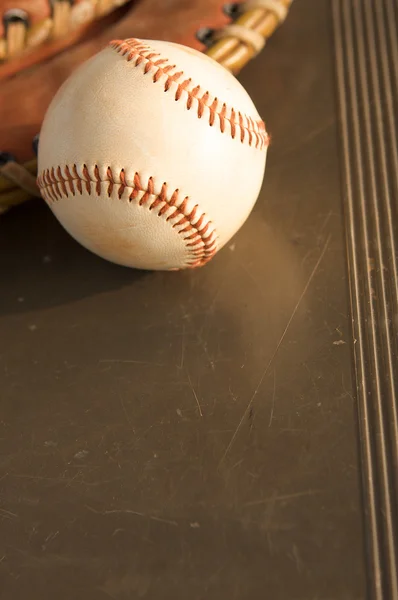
[195, 434]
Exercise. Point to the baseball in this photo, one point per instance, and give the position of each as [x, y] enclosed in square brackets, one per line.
[152, 155]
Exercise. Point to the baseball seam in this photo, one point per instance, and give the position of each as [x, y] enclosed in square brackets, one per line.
[241, 126]
[193, 225]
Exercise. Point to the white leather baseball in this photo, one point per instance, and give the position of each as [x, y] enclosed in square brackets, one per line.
[152, 155]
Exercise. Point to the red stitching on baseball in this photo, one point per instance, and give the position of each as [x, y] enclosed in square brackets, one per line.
[200, 243]
[133, 49]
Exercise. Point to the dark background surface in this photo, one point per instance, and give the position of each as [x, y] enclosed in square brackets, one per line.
[191, 435]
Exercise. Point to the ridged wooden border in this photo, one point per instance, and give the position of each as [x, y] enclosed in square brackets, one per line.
[366, 50]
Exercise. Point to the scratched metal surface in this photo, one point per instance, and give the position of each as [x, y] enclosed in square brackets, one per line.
[190, 435]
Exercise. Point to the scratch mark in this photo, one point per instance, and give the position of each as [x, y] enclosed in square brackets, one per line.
[182, 347]
[49, 539]
[306, 257]
[130, 362]
[314, 385]
[167, 521]
[265, 371]
[131, 512]
[297, 559]
[77, 474]
[216, 573]
[51, 536]
[346, 392]
[143, 434]
[7, 513]
[237, 464]
[125, 411]
[195, 395]
[234, 398]
[326, 221]
[66, 480]
[203, 345]
[251, 418]
[81, 454]
[273, 401]
[292, 430]
[220, 431]
[281, 498]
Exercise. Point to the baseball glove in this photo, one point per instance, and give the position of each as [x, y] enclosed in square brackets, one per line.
[43, 41]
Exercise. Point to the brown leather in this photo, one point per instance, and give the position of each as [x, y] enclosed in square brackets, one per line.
[25, 97]
[43, 32]
[36, 10]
